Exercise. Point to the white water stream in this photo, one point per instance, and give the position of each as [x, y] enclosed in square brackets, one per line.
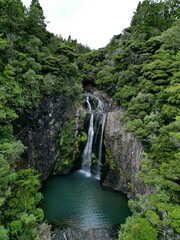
[95, 108]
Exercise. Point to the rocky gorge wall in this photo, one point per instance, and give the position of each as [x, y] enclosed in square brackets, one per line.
[125, 153]
[40, 132]
[122, 152]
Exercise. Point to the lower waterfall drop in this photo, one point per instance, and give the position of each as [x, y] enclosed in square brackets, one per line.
[86, 164]
[94, 145]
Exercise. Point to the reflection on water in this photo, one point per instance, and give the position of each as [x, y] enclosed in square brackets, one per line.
[78, 200]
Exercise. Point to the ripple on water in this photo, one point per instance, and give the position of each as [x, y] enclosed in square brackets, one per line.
[79, 200]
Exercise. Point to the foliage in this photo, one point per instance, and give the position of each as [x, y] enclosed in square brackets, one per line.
[33, 64]
[109, 163]
[137, 228]
[66, 147]
[3, 233]
[139, 69]
[19, 212]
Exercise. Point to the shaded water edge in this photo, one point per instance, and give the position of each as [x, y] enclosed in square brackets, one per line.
[91, 234]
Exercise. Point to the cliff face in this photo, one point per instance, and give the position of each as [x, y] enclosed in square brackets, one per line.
[122, 152]
[39, 130]
[125, 153]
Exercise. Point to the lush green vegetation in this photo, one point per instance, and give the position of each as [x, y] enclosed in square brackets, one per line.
[33, 64]
[139, 69]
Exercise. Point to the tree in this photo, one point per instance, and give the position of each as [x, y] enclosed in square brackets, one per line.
[152, 17]
[3, 233]
[12, 17]
[36, 21]
[137, 228]
[20, 213]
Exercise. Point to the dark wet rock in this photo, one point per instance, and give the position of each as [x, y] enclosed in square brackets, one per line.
[44, 231]
[39, 130]
[79, 234]
[125, 152]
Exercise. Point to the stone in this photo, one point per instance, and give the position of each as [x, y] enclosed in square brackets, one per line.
[126, 153]
[39, 130]
[44, 231]
[80, 234]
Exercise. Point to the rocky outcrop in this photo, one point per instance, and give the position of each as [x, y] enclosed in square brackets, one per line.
[79, 234]
[44, 231]
[39, 130]
[125, 153]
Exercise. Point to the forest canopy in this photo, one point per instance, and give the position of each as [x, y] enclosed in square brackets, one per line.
[139, 69]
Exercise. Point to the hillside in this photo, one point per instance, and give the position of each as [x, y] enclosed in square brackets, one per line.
[138, 69]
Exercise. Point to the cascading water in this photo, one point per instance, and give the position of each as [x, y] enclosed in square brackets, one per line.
[86, 164]
[95, 108]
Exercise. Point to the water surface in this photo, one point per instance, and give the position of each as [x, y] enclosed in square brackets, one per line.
[78, 200]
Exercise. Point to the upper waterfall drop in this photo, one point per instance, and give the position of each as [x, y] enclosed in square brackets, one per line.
[88, 103]
[92, 154]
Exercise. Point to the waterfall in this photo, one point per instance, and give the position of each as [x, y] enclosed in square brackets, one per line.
[86, 164]
[88, 104]
[96, 111]
[100, 105]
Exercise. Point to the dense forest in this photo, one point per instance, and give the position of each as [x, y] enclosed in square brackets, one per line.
[139, 69]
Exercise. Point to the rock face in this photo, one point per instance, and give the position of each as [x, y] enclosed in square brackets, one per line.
[39, 130]
[79, 234]
[124, 150]
[44, 231]
[125, 153]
